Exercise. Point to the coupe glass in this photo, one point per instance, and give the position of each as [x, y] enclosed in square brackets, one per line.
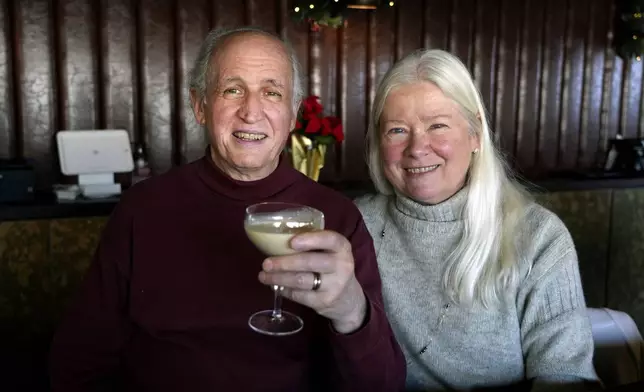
[270, 226]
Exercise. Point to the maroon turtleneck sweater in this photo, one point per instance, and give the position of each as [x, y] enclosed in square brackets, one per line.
[166, 302]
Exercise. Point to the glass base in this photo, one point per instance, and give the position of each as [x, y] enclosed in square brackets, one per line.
[264, 323]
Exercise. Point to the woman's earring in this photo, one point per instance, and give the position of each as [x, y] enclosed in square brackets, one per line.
[476, 151]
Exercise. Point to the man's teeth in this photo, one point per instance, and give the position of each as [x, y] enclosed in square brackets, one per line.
[418, 170]
[249, 136]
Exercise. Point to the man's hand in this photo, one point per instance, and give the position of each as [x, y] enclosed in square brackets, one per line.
[339, 297]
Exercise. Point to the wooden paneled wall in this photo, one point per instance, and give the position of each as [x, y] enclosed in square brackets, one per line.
[554, 89]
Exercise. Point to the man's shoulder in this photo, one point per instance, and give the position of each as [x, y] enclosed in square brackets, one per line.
[159, 188]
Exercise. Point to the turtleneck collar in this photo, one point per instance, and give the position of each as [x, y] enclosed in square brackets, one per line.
[281, 178]
[447, 211]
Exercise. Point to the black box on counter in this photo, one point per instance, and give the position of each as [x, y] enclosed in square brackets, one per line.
[17, 181]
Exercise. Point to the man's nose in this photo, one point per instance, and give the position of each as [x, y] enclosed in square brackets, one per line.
[251, 109]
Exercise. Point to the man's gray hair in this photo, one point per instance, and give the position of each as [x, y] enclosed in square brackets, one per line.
[200, 74]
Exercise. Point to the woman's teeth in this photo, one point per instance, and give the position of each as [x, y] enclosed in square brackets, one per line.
[418, 170]
[249, 136]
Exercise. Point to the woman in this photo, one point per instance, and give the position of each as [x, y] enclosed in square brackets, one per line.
[481, 285]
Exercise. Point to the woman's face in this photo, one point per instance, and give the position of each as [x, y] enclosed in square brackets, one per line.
[425, 142]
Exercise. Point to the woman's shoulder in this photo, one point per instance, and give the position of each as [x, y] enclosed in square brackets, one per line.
[538, 219]
[371, 202]
[543, 239]
[373, 208]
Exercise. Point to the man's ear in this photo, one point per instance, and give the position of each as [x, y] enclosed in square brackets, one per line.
[197, 107]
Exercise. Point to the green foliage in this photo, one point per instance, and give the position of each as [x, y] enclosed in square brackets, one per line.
[323, 13]
[330, 13]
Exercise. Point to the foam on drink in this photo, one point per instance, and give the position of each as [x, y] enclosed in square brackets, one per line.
[272, 233]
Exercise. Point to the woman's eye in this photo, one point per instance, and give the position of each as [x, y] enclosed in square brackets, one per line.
[273, 94]
[394, 131]
[437, 126]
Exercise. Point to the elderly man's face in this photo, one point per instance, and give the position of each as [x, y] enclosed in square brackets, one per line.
[248, 108]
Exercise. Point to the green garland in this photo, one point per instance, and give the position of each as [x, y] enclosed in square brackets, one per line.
[628, 38]
[330, 13]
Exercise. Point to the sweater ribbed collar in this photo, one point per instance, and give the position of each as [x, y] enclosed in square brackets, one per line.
[447, 211]
[281, 178]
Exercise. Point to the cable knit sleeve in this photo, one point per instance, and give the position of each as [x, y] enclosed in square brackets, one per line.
[556, 336]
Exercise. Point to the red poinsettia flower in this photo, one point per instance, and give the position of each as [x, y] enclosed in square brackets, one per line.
[326, 127]
[332, 126]
[312, 106]
[336, 128]
[306, 116]
[314, 125]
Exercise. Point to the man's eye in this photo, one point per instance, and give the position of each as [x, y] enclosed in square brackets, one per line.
[437, 126]
[273, 94]
[232, 91]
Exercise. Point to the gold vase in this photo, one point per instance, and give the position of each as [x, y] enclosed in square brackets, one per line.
[308, 157]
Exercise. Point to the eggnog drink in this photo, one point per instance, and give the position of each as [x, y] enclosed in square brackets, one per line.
[273, 238]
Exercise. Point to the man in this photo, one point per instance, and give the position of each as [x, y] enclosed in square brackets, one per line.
[166, 302]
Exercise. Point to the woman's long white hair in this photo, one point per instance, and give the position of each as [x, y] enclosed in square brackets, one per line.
[483, 266]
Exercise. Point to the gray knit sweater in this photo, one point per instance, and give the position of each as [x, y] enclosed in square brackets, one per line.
[542, 333]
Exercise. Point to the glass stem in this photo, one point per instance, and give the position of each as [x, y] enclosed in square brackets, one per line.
[277, 303]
